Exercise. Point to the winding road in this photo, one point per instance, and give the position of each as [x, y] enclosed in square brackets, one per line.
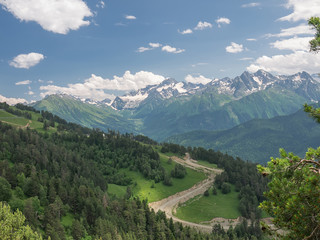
[170, 204]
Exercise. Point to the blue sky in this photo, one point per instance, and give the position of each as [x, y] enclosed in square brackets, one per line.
[93, 49]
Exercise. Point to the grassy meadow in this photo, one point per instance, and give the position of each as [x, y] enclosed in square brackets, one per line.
[201, 208]
[147, 189]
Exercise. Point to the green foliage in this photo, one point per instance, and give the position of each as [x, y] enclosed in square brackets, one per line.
[241, 231]
[179, 171]
[12, 225]
[225, 188]
[206, 193]
[5, 190]
[167, 180]
[294, 189]
[293, 198]
[315, 43]
[313, 112]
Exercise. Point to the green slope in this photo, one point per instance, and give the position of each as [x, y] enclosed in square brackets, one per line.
[259, 139]
[87, 115]
[212, 111]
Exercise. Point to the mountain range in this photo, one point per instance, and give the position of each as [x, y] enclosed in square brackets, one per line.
[172, 108]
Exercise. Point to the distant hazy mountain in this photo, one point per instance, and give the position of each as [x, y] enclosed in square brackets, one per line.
[259, 139]
[172, 107]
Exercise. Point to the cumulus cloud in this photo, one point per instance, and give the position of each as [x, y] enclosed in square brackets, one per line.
[55, 16]
[12, 101]
[26, 60]
[288, 64]
[294, 31]
[198, 79]
[203, 25]
[155, 45]
[187, 31]
[26, 82]
[170, 49]
[130, 17]
[293, 44]
[234, 48]
[30, 93]
[253, 4]
[223, 20]
[96, 87]
[302, 10]
[251, 39]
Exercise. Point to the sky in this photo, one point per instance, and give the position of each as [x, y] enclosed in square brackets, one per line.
[98, 49]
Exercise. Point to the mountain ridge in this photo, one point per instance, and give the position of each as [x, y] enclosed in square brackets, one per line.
[258, 139]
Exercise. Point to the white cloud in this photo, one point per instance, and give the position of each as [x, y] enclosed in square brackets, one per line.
[234, 48]
[59, 16]
[101, 4]
[302, 10]
[30, 93]
[251, 39]
[293, 44]
[223, 20]
[152, 46]
[203, 25]
[130, 17]
[12, 101]
[155, 45]
[170, 49]
[26, 60]
[199, 79]
[26, 82]
[95, 87]
[294, 31]
[187, 31]
[253, 4]
[143, 49]
[288, 64]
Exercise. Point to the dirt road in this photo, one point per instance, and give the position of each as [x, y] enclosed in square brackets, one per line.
[170, 204]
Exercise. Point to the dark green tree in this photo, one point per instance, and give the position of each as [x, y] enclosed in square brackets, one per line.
[315, 43]
[294, 191]
[225, 188]
[5, 190]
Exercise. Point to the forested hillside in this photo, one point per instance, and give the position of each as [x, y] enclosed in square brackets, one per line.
[258, 139]
[58, 177]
